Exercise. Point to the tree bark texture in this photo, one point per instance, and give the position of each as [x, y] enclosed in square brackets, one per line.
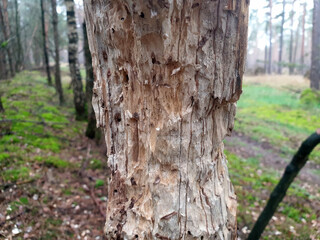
[315, 55]
[167, 76]
[7, 35]
[78, 94]
[57, 54]
[45, 50]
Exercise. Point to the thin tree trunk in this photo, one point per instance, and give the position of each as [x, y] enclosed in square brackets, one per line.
[281, 37]
[291, 66]
[57, 54]
[19, 61]
[291, 171]
[270, 39]
[297, 42]
[28, 46]
[3, 64]
[91, 131]
[1, 106]
[7, 35]
[78, 94]
[303, 39]
[266, 51]
[167, 76]
[45, 50]
[315, 55]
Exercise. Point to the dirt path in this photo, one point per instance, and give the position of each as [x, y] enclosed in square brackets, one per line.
[269, 157]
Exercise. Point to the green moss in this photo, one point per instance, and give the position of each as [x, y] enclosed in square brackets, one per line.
[56, 162]
[95, 164]
[99, 183]
[4, 156]
[51, 144]
[310, 97]
[15, 174]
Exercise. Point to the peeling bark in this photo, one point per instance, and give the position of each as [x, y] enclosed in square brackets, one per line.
[167, 76]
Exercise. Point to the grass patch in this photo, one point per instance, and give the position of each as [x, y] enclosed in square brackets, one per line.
[281, 117]
[16, 174]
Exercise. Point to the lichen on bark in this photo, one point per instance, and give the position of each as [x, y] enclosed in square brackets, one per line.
[167, 76]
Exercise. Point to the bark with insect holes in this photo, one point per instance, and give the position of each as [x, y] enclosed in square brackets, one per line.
[167, 76]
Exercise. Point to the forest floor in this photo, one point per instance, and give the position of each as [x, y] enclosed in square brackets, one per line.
[275, 115]
[53, 180]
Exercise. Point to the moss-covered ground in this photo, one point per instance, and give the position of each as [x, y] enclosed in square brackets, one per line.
[271, 122]
[44, 192]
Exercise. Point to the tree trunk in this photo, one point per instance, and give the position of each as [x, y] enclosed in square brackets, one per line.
[281, 37]
[297, 42]
[302, 39]
[92, 131]
[315, 55]
[291, 66]
[78, 94]
[19, 61]
[167, 76]
[57, 54]
[1, 106]
[45, 50]
[266, 51]
[270, 38]
[7, 35]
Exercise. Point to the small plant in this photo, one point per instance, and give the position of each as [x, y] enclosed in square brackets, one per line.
[99, 183]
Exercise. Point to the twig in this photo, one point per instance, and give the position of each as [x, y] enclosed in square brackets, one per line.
[291, 171]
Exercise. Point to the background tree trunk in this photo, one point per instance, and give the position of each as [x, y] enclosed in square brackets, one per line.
[270, 38]
[291, 66]
[315, 55]
[302, 39]
[167, 76]
[45, 50]
[92, 131]
[19, 61]
[78, 94]
[57, 54]
[281, 37]
[7, 35]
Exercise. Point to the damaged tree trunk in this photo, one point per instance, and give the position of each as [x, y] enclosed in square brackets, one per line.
[167, 76]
